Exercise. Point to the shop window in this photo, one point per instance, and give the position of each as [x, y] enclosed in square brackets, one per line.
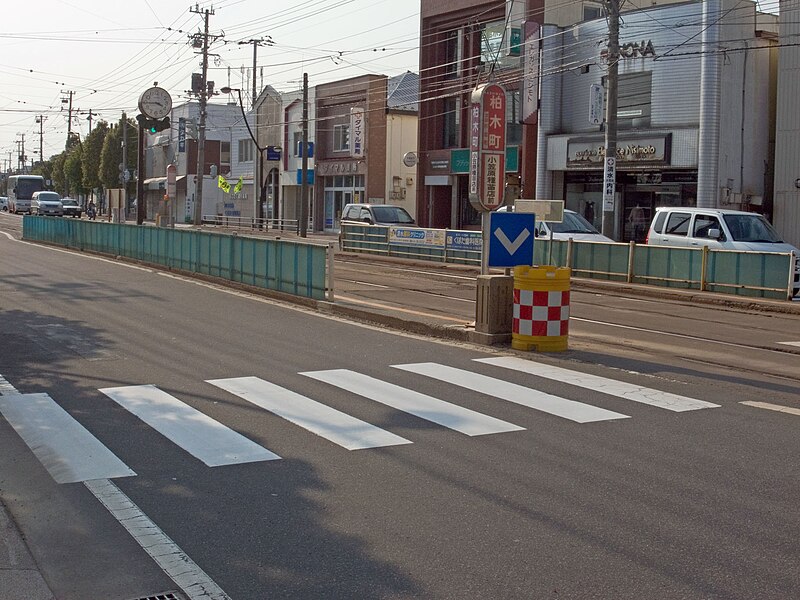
[341, 138]
[451, 123]
[513, 118]
[593, 11]
[245, 150]
[225, 157]
[494, 46]
[634, 99]
[451, 56]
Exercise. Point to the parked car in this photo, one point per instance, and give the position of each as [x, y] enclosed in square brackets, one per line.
[71, 207]
[3, 203]
[719, 229]
[574, 226]
[47, 203]
[376, 214]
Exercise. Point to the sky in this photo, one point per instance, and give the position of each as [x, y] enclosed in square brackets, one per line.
[107, 52]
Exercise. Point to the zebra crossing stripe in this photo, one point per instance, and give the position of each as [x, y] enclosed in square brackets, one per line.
[201, 436]
[420, 405]
[511, 392]
[324, 421]
[612, 387]
[64, 447]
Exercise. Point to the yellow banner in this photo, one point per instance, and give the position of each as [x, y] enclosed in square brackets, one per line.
[238, 187]
[223, 184]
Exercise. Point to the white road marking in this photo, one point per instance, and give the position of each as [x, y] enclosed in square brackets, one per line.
[554, 405]
[322, 420]
[420, 405]
[201, 436]
[612, 387]
[192, 580]
[195, 583]
[64, 447]
[775, 407]
[790, 344]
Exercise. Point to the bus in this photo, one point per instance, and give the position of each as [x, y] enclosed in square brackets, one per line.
[20, 192]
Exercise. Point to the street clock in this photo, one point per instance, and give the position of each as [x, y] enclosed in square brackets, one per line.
[155, 103]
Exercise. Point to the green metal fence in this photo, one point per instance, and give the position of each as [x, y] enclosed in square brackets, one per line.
[291, 267]
[756, 274]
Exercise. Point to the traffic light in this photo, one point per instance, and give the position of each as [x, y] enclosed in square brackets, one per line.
[153, 125]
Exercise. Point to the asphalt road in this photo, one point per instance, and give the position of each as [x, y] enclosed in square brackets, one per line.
[596, 490]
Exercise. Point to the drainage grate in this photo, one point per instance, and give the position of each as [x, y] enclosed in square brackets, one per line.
[164, 596]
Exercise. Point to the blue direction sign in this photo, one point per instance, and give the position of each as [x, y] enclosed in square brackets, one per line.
[511, 239]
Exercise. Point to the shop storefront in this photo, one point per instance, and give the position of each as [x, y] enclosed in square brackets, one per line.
[341, 183]
[646, 178]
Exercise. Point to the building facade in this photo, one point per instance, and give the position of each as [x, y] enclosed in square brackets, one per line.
[291, 175]
[787, 150]
[664, 84]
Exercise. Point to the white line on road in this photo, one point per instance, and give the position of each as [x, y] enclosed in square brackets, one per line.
[201, 436]
[322, 420]
[64, 447]
[186, 574]
[620, 389]
[420, 405]
[173, 561]
[790, 344]
[775, 407]
[511, 392]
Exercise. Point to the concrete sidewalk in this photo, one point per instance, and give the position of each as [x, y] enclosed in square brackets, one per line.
[20, 578]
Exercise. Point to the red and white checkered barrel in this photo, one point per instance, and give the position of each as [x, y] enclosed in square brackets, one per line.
[541, 308]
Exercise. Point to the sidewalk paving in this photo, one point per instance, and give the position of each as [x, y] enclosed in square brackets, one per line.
[20, 578]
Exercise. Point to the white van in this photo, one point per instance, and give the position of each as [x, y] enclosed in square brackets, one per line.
[719, 229]
[574, 226]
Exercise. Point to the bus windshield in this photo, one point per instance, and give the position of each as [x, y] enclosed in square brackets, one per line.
[27, 186]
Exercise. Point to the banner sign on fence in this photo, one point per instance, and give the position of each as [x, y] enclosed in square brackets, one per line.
[430, 238]
[465, 240]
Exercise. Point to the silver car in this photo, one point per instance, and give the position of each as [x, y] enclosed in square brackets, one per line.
[47, 203]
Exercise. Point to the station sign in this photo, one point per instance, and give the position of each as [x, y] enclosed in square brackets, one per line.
[487, 149]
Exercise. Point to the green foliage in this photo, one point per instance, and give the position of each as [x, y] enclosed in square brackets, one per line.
[57, 172]
[91, 155]
[73, 170]
[111, 154]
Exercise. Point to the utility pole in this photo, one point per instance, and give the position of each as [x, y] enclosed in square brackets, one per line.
[256, 44]
[304, 163]
[21, 153]
[69, 117]
[40, 120]
[124, 173]
[89, 118]
[610, 217]
[201, 128]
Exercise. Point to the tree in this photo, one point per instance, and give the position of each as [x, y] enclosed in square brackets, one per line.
[91, 156]
[73, 170]
[57, 172]
[111, 155]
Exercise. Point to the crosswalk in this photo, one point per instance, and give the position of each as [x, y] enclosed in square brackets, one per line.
[71, 453]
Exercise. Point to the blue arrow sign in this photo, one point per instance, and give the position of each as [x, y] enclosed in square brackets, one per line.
[511, 239]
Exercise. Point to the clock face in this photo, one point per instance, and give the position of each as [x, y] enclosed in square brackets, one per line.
[155, 103]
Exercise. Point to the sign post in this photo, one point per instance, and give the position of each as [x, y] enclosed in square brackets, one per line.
[487, 155]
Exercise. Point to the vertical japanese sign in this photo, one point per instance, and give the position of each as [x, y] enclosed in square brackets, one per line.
[487, 148]
[596, 104]
[530, 73]
[609, 183]
[357, 132]
[181, 134]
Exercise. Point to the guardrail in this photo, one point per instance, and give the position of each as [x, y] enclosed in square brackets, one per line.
[755, 274]
[297, 268]
[252, 223]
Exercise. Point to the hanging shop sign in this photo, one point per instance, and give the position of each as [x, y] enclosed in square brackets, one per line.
[530, 75]
[357, 132]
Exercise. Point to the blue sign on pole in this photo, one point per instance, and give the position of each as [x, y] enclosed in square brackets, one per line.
[511, 239]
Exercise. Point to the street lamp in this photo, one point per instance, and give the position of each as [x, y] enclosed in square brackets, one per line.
[256, 181]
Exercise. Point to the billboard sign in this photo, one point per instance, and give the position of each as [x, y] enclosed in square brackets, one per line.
[530, 73]
[487, 149]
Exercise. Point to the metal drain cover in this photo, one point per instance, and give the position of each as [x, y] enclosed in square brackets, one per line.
[164, 596]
